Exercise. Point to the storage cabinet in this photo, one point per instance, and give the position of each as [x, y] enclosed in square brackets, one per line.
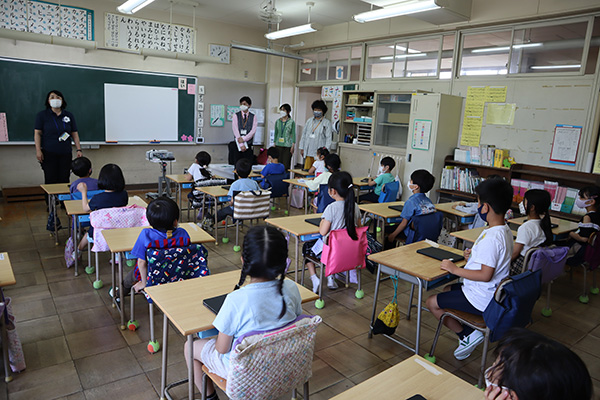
[392, 119]
[357, 117]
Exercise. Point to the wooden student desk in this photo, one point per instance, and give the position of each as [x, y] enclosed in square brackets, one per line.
[300, 172]
[382, 213]
[412, 376]
[221, 196]
[302, 185]
[459, 217]
[123, 239]
[53, 190]
[181, 303]
[300, 229]
[75, 209]
[564, 226]
[179, 180]
[471, 235]
[412, 267]
[7, 278]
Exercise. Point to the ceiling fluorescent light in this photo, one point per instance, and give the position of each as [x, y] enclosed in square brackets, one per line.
[406, 8]
[296, 30]
[133, 6]
[400, 56]
[402, 48]
[555, 66]
[505, 48]
[526, 45]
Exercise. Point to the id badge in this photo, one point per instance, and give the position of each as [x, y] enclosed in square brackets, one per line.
[63, 137]
[281, 140]
[243, 132]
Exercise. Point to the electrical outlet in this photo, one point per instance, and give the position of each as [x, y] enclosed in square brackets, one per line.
[200, 139]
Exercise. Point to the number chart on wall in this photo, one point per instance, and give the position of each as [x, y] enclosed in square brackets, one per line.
[130, 33]
[47, 18]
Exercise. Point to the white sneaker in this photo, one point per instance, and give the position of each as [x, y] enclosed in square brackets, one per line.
[315, 282]
[467, 345]
[331, 284]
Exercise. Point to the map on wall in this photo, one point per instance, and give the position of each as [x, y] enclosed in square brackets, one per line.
[47, 18]
[130, 33]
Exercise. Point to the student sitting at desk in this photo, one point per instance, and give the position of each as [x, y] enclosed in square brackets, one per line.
[421, 182]
[112, 181]
[536, 231]
[332, 164]
[201, 175]
[488, 263]
[163, 215]
[318, 166]
[242, 168]
[82, 167]
[268, 302]
[588, 198]
[384, 175]
[273, 166]
[471, 208]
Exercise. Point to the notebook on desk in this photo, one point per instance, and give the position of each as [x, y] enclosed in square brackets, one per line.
[365, 180]
[440, 254]
[226, 187]
[396, 208]
[214, 304]
[314, 221]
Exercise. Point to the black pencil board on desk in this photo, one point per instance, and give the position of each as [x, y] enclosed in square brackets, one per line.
[440, 254]
[314, 221]
[214, 304]
[396, 208]
[365, 180]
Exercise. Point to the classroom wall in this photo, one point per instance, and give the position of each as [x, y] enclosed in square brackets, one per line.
[244, 66]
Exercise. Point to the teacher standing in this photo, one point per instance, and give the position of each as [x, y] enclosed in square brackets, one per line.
[54, 129]
[318, 132]
[285, 135]
[244, 125]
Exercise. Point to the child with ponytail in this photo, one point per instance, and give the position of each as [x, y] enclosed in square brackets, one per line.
[536, 231]
[341, 214]
[268, 301]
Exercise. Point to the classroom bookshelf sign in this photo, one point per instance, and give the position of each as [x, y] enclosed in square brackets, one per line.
[47, 19]
[565, 144]
[130, 33]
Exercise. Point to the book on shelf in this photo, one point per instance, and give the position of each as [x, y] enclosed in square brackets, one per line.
[563, 198]
[460, 179]
[483, 155]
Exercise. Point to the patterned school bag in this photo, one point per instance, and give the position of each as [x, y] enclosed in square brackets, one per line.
[176, 264]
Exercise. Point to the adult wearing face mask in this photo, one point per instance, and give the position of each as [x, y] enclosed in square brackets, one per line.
[54, 130]
[285, 135]
[318, 132]
[244, 127]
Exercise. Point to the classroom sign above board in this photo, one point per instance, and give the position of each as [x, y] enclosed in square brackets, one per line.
[24, 86]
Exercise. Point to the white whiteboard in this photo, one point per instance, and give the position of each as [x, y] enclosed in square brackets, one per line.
[140, 113]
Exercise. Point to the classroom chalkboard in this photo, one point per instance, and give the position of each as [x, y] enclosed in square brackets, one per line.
[24, 85]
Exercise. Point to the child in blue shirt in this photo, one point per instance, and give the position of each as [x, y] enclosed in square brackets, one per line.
[82, 167]
[273, 166]
[163, 215]
[242, 168]
[268, 302]
[421, 182]
[384, 176]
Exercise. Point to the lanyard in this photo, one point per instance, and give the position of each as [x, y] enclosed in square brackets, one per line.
[57, 128]
[315, 128]
[284, 125]
[245, 120]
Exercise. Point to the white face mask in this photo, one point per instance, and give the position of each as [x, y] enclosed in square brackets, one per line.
[522, 209]
[380, 170]
[244, 108]
[282, 113]
[55, 103]
[410, 186]
[583, 203]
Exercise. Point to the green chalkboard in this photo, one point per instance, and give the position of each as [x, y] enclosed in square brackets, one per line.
[24, 85]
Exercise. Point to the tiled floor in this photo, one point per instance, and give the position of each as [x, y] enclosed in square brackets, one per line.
[75, 350]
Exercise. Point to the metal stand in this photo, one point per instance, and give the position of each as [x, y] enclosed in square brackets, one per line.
[164, 188]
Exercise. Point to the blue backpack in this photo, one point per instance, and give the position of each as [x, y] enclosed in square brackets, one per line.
[176, 264]
[513, 303]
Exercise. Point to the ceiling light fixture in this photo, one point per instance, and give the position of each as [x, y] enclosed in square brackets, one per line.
[296, 30]
[404, 8]
[506, 48]
[400, 56]
[402, 48]
[133, 6]
[555, 66]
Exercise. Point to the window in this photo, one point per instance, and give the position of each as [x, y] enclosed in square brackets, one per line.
[380, 61]
[592, 58]
[355, 62]
[420, 58]
[338, 64]
[447, 56]
[557, 48]
[322, 58]
[485, 53]
[308, 67]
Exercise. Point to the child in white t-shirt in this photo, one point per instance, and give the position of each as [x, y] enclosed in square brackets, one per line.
[318, 166]
[488, 263]
[536, 230]
[199, 173]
